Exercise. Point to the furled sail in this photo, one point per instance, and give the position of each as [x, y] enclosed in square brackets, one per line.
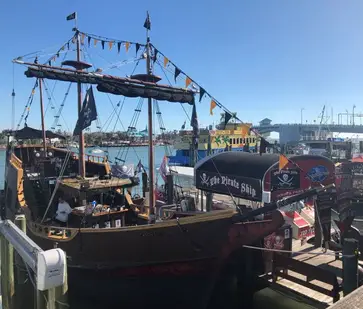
[116, 85]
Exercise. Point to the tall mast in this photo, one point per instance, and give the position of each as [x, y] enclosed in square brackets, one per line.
[82, 163]
[150, 133]
[40, 82]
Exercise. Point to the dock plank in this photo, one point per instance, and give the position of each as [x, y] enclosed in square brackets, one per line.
[313, 257]
[353, 300]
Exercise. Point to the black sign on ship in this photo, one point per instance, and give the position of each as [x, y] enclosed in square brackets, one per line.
[244, 187]
[285, 179]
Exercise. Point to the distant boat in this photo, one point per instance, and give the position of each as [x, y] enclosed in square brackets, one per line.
[96, 150]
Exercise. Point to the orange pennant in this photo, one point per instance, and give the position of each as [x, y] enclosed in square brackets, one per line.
[110, 44]
[33, 91]
[187, 82]
[95, 42]
[283, 161]
[166, 61]
[127, 45]
[213, 104]
[82, 38]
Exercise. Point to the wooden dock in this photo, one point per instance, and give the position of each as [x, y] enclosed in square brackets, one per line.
[312, 257]
[353, 300]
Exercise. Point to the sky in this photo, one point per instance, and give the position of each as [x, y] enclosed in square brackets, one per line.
[259, 58]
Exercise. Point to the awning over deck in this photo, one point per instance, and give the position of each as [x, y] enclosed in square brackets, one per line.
[240, 174]
[31, 133]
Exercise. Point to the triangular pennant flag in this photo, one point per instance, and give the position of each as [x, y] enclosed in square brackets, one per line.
[227, 118]
[283, 161]
[68, 45]
[213, 104]
[176, 73]
[50, 62]
[127, 45]
[57, 54]
[89, 41]
[137, 47]
[110, 44]
[201, 93]
[155, 54]
[118, 47]
[103, 44]
[82, 38]
[166, 61]
[63, 47]
[95, 41]
[187, 82]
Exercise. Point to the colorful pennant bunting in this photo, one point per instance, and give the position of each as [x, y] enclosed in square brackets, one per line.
[82, 38]
[137, 47]
[227, 118]
[103, 44]
[95, 41]
[127, 45]
[213, 104]
[89, 41]
[176, 73]
[201, 93]
[118, 47]
[110, 44]
[166, 61]
[187, 82]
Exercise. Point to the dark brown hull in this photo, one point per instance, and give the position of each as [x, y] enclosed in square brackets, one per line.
[180, 285]
[132, 267]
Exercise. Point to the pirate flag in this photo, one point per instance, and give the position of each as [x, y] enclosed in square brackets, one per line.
[87, 114]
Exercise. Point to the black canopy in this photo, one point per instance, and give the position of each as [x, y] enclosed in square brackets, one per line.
[31, 133]
[238, 173]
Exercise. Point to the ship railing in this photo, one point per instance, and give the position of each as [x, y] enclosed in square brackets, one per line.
[90, 158]
[14, 160]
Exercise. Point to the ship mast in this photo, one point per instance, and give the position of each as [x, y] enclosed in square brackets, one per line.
[150, 132]
[82, 163]
[40, 82]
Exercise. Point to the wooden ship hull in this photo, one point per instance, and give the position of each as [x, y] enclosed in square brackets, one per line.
[114, 266]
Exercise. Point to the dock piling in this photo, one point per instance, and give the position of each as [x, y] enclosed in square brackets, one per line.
[350, 265]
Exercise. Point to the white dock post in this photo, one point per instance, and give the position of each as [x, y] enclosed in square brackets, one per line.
[39, 261]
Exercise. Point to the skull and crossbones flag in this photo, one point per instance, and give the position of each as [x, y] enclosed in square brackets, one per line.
[87, 114]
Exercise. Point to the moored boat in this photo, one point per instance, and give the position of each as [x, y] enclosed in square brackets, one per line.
[119, 247]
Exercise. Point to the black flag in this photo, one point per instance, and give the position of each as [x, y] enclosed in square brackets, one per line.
[137, 47]
[72, 16]
[88, 113]
[194, 124]
[263, 145]
[201, 93]
[176, 73]
[147, 23]
[227, 117]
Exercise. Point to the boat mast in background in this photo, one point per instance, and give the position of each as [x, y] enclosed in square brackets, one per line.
[147, 25]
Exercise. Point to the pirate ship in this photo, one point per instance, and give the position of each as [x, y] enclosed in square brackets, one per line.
[126, 245]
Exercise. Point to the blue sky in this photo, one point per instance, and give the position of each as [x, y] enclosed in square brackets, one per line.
[261, 58]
